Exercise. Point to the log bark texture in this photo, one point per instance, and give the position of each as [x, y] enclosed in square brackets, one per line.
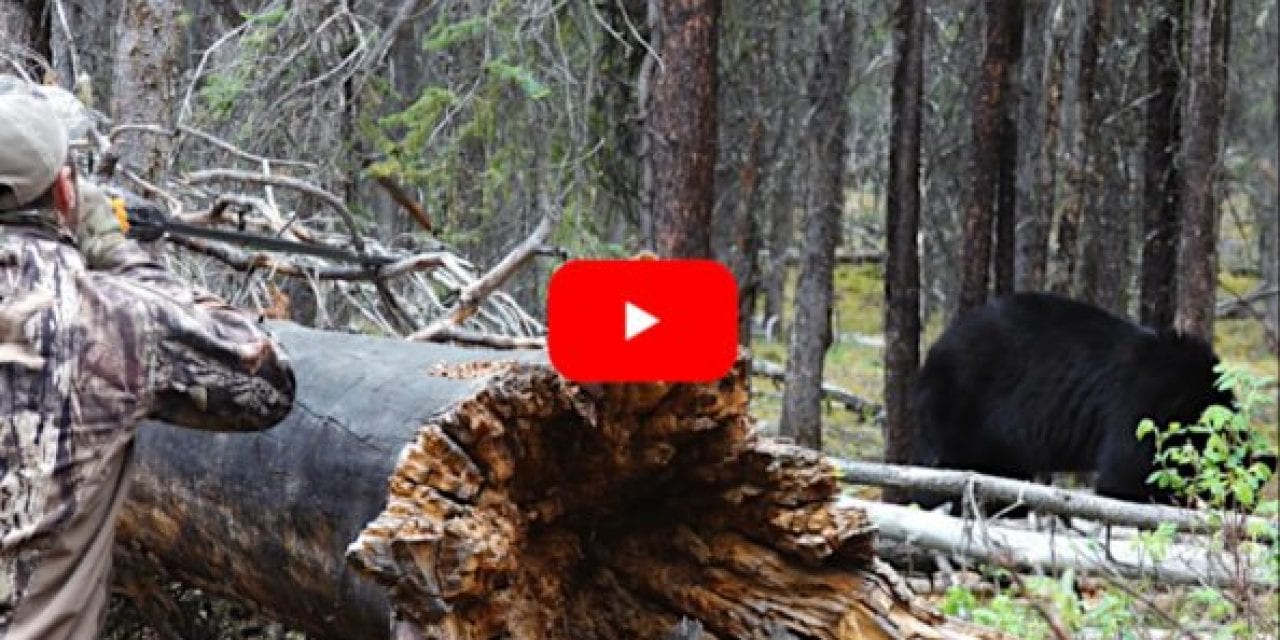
[427, 491]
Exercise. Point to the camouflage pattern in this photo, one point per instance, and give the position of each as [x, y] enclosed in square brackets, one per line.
[84, 356]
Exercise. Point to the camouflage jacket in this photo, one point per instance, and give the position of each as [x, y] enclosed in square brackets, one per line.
[84, 356]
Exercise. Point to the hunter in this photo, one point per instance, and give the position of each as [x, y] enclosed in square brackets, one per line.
[95, 336]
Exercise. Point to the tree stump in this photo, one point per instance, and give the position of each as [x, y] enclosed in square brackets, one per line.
[425, 491]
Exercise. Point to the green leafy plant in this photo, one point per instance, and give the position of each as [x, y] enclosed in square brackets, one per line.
[1225, 470]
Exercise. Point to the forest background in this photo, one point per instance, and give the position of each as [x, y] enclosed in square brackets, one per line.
[1122, 152]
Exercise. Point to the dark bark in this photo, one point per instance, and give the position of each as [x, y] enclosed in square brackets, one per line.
[1206, 90]
[144, 87]
[683, 123]
[811, 332]
[1033, 247]
[1161, 180]
[1007, 179]
[746, 235]
[1108, 216]
[989, 113]
[902, 265]
[1082, 142]
[490, 498]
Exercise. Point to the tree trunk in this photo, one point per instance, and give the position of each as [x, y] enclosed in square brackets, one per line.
[902, 265]
[683, 122]
[784, 177]
[1206, 90]
[1161, 178]
[781, 231]
[1078, 172]
[986, 172]
[1108, 216]
[147, 68]
[1269, 232]
[811, 331]
[1006, 203]
[519, 505]
[746, 236]
[1033, 248]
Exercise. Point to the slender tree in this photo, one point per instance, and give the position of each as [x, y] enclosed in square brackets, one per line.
[985, 167]
[1033, 243]
[811, 330]
[1210, 22]
[1161, 179]
[683, 125]
[902, 265]
[1006, 201]
[1077, 197]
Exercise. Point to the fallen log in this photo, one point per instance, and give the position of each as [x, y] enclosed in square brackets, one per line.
[1040, 497]
[428, 491]
[1181, 563]
[857, 404]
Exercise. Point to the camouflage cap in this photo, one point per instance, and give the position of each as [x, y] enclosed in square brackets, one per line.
[33, 146]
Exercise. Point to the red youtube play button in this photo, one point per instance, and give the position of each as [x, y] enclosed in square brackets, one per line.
[642, 320]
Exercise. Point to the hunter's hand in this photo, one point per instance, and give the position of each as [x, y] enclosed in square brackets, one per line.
[99, 230]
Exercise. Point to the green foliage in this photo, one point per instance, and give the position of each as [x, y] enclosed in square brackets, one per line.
[521, 76]
[273, 17]
[1223, 471]
[447, 34]
[221, 92]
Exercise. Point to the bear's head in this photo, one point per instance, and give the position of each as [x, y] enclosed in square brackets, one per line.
[1180, 383]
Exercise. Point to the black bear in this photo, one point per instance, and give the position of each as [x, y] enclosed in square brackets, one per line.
[1035, 383]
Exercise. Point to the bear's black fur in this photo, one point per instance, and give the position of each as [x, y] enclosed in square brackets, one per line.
[1035, 383]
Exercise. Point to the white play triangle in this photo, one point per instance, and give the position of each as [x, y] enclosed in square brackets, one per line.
[638, 321]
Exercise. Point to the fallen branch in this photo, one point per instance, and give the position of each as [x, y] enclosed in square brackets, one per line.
[1182, 564]
[1039, 497]
[406, 202]
[472, 295]
[244, 262]
[852, 402]
[288, 182]
[792, 257]
[466, 337]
